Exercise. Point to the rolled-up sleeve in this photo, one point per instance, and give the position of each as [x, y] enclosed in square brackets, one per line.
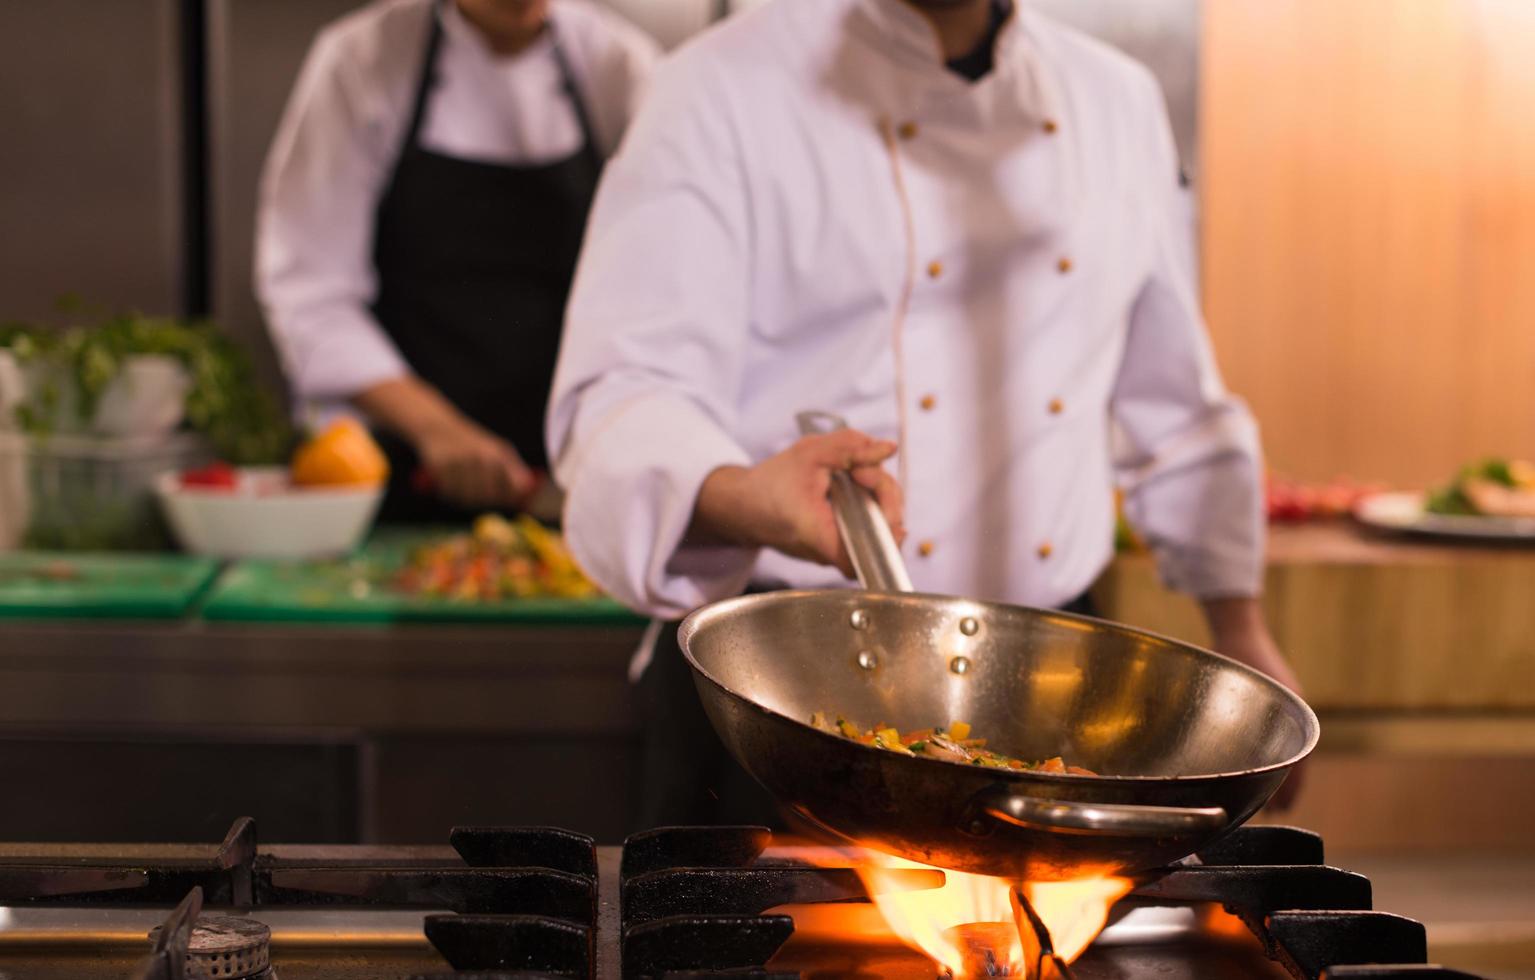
[1189, 462]
[644, 398]
[314, 237]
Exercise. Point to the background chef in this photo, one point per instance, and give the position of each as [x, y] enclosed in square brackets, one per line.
[955, 223]
[420, 216]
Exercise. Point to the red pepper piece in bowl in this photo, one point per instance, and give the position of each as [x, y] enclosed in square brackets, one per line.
[217, 476]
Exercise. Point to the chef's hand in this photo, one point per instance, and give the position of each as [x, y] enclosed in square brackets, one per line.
[463, 462]
[472, 467]
[1239, 630]
[781, 502]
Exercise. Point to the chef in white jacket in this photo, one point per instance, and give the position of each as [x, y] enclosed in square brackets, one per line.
[955, 223]
[420, 217]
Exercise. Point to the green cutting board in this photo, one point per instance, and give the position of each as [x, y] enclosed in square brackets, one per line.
[53, 584]
[356, 590]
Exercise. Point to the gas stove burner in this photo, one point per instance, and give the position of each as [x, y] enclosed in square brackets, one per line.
[984, 946]
[224, 947]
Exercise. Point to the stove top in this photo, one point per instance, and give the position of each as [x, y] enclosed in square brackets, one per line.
[671, 904]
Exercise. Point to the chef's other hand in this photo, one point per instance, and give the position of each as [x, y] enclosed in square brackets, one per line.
[1239, 630]
[462, 462]
[472, 467]
[781, 502]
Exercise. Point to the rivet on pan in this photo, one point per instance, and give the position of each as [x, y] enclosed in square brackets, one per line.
[859, 620]
[959, 664]
[969, 626]
[867, 660]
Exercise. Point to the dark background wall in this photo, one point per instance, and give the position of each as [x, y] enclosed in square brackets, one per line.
[255, 48]
[91, 176]
[132, 135]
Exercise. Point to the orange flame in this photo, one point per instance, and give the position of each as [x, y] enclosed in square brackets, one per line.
[921, 918]
[1074, 912]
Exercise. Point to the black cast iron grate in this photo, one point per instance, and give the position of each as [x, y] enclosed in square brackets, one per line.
[526, 898]
[692, 900]
[687, 889]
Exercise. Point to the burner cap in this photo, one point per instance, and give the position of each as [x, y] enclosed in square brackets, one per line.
[224, 947]
[985, 947]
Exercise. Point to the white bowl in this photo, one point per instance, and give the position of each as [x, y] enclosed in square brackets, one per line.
[266, 517]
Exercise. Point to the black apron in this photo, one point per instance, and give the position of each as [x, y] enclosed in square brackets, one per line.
[474, 263]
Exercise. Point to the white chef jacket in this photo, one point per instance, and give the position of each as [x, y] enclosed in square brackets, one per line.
[811, 212]
[340, 137]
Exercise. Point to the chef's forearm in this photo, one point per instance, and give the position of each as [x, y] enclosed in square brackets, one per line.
[1233, 616]
[722, 514]
[408, 407]
[1239, 630]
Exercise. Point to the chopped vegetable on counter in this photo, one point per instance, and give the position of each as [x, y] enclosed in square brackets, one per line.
[498, 559]
[1292, 502]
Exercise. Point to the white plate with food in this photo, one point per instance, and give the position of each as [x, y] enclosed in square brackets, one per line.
[1493, 500]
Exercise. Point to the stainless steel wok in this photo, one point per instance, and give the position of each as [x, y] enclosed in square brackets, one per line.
[1189, 744]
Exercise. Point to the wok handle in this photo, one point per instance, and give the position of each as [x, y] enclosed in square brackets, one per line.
[865, 532]
[1109, 819]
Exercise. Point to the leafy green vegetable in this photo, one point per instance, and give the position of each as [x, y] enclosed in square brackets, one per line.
[226, 403]
[1497, 471]
[1452, 499]
[1449, 500]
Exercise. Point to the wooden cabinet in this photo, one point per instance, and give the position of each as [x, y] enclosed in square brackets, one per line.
[1368, 187]
[1375, 623]
[1420, 661]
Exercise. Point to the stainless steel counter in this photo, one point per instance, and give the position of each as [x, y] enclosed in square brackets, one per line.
[419, 679]
[164, 731]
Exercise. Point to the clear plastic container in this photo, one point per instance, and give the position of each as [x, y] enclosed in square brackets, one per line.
[80, 493]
